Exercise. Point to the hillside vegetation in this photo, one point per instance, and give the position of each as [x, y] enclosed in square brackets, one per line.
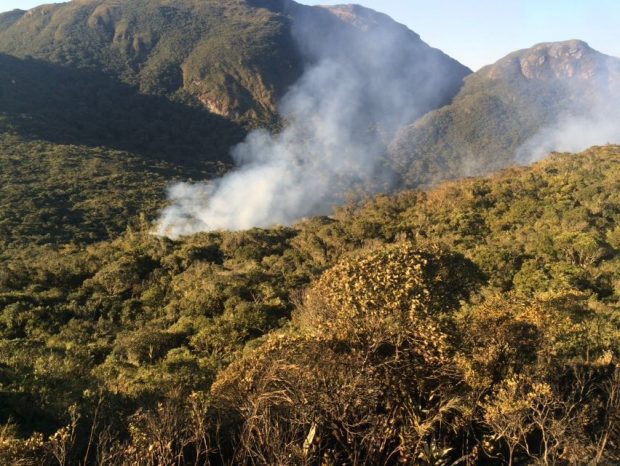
[473, 323]
[55, 104]
[501, 107]
[235, 59]
[105, 103]
[67, 193]
[359, 339]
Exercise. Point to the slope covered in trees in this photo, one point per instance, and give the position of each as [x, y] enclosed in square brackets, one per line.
[130, 96]
[232, 57]
[548, 95]
[358, 339]
[361, 338]
[236, 58]
[68, 193]
[60, 105]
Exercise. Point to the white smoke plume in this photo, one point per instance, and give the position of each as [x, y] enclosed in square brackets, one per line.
[572, 134]
[364, 81]
[588, 111]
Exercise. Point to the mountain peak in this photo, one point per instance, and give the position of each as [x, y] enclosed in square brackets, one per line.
[567, 60]
[8, 18]
[551, 96]
[562, 60]
[573, 48]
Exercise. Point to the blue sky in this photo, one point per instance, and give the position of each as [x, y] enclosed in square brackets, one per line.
[479, 32]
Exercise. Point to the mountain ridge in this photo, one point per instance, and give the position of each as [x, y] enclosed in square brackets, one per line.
[237, 58]
[180, 82]
[503, 106]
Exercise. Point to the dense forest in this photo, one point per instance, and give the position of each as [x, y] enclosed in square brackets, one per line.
[71, 193]
[473, 323]
[167, 49]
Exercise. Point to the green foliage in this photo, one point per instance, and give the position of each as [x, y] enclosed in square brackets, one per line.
[395, 286]
[475, 323]
[523, 290]
[228, 56]
[56, 194]
[69, 106]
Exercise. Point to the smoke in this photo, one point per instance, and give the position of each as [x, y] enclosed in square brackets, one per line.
[367, 76]
[586, 108]
[572, 134]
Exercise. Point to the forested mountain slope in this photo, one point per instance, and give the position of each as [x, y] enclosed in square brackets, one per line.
[96, 336]
[69, 193]
[130, 96]
[56, 104]
[236, 58]
[514, 111]
[233, 57]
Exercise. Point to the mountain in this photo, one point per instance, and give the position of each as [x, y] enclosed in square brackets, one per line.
[82, 155]
[8, 18]
[236, 60]
[162, 89]
[504, 110]
[45, 101]
[235, 57]
[377, 45]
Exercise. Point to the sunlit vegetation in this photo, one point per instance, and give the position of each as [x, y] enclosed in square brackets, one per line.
[226, 55]
[475, 323]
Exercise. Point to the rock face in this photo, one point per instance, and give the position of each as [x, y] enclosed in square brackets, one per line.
[360, 17]
[557, 61]
[543, 61]
[235, 57]
[572, 60]
[503, 106]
